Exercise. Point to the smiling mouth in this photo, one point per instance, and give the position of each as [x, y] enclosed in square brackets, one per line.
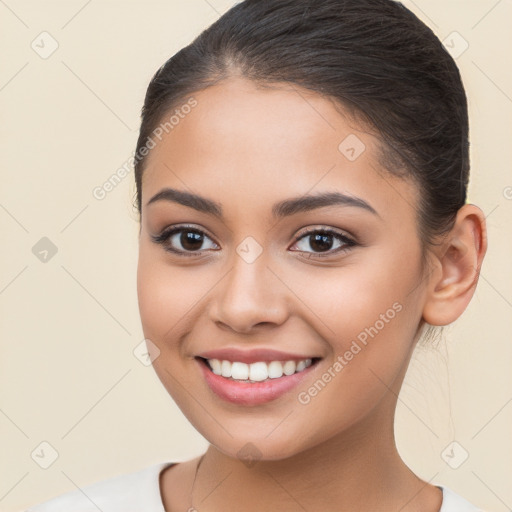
[257, 372]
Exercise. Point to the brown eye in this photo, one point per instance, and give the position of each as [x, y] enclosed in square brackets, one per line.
[184, 240]
[318, 241]
[191, 240]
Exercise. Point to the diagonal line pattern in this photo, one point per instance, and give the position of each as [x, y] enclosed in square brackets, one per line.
[98, 97]
[492, 211]
[495, 289]
[13, 279]
[398, 398]
[416, 494]
[506, 505]
[78, 488]
[285, 490]
[5, 495]
[74, 218]
[13, 13]
[486, 14]
[424, 277]
[503, 407]
[424, 13]
[198, 403]
[14, 218]
[207, 2]
[17, 426]
[214, 489]
[104, 395]
[278, 425]
[76, 14]
[298, 92]
[96, 300]
[14, 76]
[492, 81]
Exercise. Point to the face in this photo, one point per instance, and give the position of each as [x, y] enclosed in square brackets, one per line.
[264, 263]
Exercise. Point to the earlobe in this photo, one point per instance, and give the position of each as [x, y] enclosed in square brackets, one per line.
[458, 259]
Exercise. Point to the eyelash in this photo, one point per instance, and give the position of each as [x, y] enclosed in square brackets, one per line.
[165, 235]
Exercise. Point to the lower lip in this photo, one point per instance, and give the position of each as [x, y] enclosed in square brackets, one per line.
[245, 393]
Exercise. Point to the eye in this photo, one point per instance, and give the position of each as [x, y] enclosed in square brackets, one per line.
[189, 241]
[324, 240]
[184, 240]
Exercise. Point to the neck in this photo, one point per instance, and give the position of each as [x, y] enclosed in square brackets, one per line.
[359, 469]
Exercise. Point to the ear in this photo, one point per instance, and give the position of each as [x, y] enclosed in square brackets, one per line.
[456, 267]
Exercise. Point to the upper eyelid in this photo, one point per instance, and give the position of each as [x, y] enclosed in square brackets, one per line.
[308, 230]
[177, 228]
[328, 229]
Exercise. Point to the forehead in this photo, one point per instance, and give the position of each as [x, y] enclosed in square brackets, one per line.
[248, 146]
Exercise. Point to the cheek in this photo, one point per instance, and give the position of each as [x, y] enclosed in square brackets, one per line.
[367, 292]
[369, 353]
[165, 294]
[166, 297]
[369, 315]
[367, 325]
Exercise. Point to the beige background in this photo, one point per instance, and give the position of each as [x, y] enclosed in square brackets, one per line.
[69, 325]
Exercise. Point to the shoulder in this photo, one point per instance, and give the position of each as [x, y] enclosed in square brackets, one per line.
[135, 491]
[452, 502]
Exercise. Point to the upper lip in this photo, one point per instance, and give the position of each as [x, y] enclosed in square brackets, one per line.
[252, 356]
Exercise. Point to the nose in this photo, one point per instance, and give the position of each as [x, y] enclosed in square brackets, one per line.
[249, 297]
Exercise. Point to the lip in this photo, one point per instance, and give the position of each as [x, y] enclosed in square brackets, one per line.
[245, 393]
[254, 355]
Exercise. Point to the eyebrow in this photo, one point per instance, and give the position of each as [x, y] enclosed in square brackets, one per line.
[281, 209]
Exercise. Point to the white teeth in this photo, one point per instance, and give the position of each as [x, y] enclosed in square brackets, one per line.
[275, 370]
[257, 372]
[216, 366]
[289, 367]
[225, 369]
[239, 371]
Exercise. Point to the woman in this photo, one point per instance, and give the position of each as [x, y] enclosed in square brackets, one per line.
[301, 176]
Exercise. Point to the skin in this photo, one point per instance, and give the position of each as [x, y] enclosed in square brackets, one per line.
[246, 148]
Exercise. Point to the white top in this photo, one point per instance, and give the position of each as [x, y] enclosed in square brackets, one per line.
[140, 490]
